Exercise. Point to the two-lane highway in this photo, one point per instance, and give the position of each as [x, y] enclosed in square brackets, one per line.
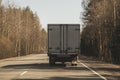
[36, 67]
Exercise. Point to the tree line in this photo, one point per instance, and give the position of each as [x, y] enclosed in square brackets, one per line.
[20, 32]
[100, 37]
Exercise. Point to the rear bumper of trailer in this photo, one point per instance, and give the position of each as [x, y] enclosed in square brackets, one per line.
[63, 57]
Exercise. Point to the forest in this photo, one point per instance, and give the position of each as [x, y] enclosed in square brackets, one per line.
[20, 32]
[100, 37]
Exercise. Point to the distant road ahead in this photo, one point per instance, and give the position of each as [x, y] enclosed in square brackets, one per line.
[36, 67]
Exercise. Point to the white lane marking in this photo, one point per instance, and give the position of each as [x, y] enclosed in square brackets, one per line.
[93, 71]
[23, 73]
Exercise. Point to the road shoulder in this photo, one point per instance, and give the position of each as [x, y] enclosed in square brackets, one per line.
[110, 71]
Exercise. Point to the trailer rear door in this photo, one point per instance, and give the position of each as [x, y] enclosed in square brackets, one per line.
[64, 38]
[73, 38]
[54, 38]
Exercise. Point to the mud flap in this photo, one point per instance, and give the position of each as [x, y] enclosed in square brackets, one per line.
[74, 62]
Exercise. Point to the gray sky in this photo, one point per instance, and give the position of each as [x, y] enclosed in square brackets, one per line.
[54, 11]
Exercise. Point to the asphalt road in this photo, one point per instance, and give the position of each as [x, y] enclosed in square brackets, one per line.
[36, 67]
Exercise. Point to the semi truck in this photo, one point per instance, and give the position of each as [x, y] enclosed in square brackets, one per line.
[63, 43]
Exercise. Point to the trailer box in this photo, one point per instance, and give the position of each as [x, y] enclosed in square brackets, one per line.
[63, 42]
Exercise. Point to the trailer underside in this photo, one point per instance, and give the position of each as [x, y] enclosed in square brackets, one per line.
[53, 58]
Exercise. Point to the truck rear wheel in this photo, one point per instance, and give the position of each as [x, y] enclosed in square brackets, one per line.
[51, 61]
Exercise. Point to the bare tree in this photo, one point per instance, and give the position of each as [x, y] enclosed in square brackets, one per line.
[20, 32]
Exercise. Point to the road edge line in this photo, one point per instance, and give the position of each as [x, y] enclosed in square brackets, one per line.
[23, 73]
[93, 71]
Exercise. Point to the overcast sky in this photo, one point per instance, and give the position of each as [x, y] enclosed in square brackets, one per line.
[54, 11]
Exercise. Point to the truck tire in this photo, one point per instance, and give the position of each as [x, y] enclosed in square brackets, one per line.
[51, 61]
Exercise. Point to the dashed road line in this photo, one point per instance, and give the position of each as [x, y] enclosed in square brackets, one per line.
[23, 73]
[93, 71]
